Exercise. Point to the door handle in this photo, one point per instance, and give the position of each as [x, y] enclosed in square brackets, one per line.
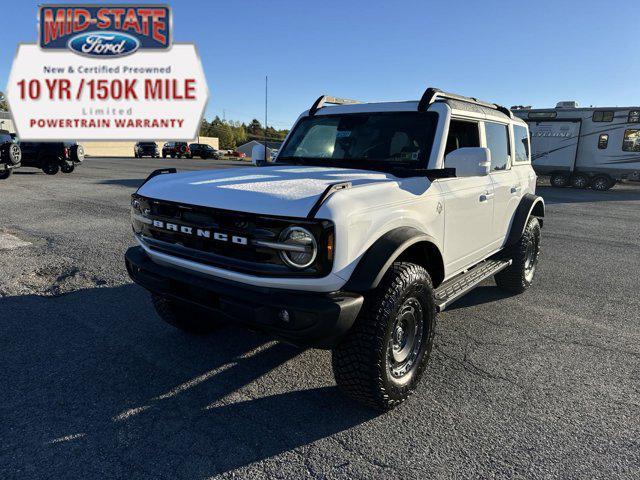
[486, 196]
[515, 189]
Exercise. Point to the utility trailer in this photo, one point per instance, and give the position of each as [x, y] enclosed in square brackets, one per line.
[584, 147]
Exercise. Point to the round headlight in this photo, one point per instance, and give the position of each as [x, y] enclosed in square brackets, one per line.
[302, 249]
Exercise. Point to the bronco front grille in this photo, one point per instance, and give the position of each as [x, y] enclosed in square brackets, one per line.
[223, 238]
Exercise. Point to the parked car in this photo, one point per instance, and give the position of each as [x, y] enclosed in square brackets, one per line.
[175, 149]
[146, 149]
[10, 154]
[237, 154]
[355, 250]
[203, 150]
[52, 157]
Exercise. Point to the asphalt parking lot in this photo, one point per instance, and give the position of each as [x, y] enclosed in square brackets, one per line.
[94, 385]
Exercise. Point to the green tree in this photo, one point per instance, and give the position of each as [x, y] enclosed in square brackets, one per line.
[240, 134]
[225, 135]
[233, 133]
[205, 128]
[255, 128]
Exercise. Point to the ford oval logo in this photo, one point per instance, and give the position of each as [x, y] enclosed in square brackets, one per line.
[104, 44]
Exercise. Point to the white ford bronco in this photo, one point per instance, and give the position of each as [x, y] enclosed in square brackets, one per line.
[373, 217]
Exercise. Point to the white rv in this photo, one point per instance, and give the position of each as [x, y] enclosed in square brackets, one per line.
[584, 147]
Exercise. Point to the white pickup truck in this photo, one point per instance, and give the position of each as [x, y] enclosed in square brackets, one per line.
[374, 217]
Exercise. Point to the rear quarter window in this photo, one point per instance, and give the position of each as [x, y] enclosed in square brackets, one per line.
[521, 142]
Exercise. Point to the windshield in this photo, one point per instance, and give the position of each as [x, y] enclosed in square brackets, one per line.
[359, 139]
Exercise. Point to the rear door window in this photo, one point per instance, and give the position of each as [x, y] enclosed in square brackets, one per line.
[498, 143]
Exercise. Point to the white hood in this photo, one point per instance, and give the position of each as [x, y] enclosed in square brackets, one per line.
[283, 190]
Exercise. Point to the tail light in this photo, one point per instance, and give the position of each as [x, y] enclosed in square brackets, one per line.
[67, 152]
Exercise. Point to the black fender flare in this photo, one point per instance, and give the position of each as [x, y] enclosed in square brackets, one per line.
[529, 205]
[378, 258]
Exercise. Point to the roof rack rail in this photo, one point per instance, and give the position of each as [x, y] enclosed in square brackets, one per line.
[320, 102]
[432, 94]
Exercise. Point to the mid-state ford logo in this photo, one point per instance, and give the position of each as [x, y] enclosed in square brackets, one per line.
[105, 30]
[104, 44]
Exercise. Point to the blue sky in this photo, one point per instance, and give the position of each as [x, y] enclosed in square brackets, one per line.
[511, 52]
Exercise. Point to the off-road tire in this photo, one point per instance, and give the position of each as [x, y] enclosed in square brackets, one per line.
[559, 180]
[50, 166]
[361, 362]
[11, 153]
[66, 168]
[6, 174]
[517, 278]
[184, 316]
[77, 153]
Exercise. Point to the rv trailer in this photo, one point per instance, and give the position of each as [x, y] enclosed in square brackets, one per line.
[584, 147]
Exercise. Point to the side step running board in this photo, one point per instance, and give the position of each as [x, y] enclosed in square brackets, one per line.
[453, 289]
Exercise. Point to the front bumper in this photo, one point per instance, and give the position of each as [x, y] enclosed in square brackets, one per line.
[314, 319]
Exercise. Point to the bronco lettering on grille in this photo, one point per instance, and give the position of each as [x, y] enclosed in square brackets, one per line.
[199, 232]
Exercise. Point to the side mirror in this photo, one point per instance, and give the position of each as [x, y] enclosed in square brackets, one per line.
[469, 161]
[258, 156]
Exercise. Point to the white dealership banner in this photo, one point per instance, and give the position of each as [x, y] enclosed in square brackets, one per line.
[150, 95]
[106, 72]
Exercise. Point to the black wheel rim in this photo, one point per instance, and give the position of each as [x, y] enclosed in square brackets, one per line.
[560, 181]
[580, 182]
[600, 184]
[531, 258]
[15, 154]
[406, 338]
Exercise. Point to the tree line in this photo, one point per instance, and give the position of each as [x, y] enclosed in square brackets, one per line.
[233, 133]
